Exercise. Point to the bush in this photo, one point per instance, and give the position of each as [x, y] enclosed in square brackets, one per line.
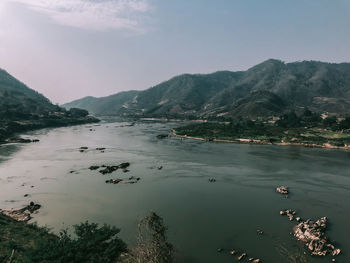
[92, 244]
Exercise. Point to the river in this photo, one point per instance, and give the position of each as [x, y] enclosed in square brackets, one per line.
[201, 216]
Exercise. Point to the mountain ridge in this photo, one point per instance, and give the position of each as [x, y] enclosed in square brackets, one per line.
[22, 109]
[320, 86]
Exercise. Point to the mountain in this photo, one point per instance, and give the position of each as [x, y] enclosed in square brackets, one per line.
[22, 109]
[269, 88]
[18, 101]
[107, 106]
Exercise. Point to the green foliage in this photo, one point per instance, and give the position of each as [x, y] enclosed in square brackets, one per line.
[345, 124]
[76, 112]
[289, 120]
[307, 128]
[92, 244]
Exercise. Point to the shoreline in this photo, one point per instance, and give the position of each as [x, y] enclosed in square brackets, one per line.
[13, 134]
[251, 141]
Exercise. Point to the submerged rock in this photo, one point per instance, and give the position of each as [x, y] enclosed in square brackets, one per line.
[260, 232]
[20, 140]
[134, 178]
[94, 167]
[289, 213]
[100, 149]
[124, 165]
[162, 136]
[113, 181]
[110, 169]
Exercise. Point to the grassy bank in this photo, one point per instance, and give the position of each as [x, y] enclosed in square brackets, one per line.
[308, 130]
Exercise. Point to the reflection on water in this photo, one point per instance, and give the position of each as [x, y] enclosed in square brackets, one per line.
[202, 216]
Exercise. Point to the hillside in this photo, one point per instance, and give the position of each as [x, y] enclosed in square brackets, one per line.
[22, 108]
[17, 101]
[270, 88]
[107, 105]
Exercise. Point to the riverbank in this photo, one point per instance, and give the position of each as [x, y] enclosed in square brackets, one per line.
[28, 243]
[263, 142]
[10, 129]
[18, 237]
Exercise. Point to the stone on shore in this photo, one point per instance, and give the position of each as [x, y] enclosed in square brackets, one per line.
[23, 214]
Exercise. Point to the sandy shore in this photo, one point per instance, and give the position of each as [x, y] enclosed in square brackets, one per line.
[250, 141]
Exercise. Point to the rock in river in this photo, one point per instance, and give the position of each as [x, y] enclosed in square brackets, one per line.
[110, 169]
[284, 190]
[162, 136]
[312, 233]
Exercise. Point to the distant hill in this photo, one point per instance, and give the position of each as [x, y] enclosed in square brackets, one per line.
[22, 109]
[107, 106]
[270, 88]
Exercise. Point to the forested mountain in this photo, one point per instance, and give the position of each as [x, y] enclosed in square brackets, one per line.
[22, 108]
[17, 101]
[270, 88]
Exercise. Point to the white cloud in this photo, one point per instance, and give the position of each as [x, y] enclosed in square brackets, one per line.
[98, 15]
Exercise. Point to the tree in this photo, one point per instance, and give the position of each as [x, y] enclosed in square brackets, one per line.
[92, 244]
[152, 245]
[289, 120]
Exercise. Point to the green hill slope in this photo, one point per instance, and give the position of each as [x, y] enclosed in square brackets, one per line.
[22, 109]
[270, 88]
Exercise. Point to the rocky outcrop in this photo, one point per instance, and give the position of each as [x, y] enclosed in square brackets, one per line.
[289, 213]
[162, 136]
[284, 190]
[313, 234]
[132, 180]
[20, 140]
[23, 214]
[110, 169]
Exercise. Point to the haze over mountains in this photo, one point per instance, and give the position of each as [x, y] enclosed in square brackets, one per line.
[270, 88]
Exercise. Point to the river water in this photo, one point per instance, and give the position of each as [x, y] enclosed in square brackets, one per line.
[201, 216]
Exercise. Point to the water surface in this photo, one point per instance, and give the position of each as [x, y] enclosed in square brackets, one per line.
[201, 216]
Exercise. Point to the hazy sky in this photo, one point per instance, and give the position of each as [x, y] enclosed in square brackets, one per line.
[67, 49]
